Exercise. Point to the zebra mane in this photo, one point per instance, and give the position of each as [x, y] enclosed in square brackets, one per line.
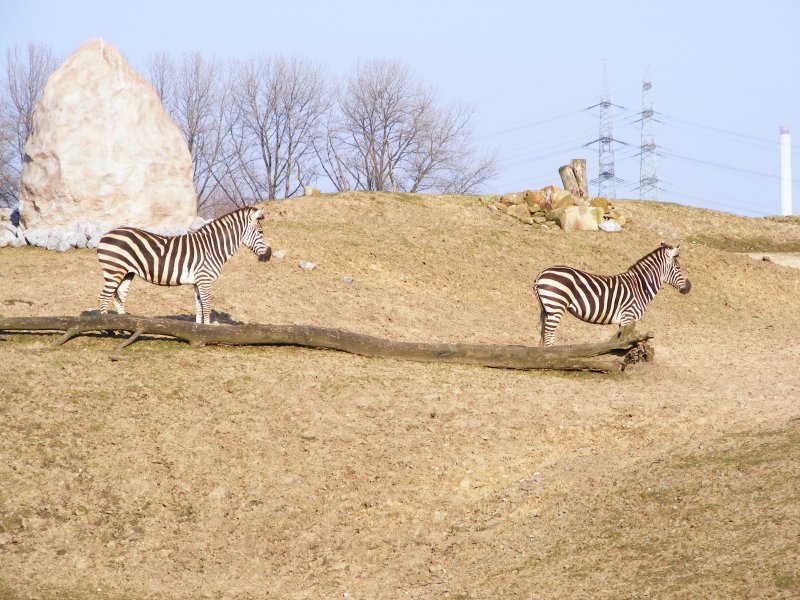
[226, 217]
[661, 249]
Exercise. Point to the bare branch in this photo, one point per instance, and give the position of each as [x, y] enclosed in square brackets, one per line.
[388, 134]
[27, 71]
[279, 105]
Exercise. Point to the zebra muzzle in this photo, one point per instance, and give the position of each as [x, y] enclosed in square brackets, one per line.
[685, 289]
[265, 257]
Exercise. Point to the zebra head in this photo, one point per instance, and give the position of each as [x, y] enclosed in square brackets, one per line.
[674, 275]
[254, 236]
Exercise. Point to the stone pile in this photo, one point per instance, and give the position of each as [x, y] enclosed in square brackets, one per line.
[551, 206]
[82, 234]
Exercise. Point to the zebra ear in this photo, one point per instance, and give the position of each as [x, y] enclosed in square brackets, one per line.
[673, 252]
[258, 215]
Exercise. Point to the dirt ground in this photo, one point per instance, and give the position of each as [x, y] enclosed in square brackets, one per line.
[168, 471]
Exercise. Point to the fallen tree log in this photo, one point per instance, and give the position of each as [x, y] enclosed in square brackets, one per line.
[613, 355]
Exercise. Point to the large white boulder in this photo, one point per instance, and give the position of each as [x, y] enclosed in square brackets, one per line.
[577, 218]
[104, 149]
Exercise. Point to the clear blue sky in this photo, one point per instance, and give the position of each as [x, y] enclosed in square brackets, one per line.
[726, 74]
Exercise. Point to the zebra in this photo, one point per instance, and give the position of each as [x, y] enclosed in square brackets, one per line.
[194, 258]
[605, 299]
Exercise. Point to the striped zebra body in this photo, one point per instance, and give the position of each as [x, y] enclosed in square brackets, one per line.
[606, 299]
[194, 258]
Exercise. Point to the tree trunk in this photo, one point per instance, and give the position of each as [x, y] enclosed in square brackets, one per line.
[613, 355]
[569, 181]
[579, 170]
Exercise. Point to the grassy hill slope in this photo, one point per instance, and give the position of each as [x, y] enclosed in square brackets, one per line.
[165, 471]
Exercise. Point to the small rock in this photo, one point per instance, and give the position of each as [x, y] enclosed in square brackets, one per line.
[35, 237]
[218, 493]
[621, 216]
[519, 211]
[7, 237]
[280, 254]
[600, 202]
[610, 226]
[534, 199]
[168, 231]
[512, 199]
[307, 266]
[347, 279]
[562, 198]
[198, 222]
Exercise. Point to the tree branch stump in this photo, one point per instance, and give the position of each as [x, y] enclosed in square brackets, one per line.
[613, 355]
[568, 180]
[573, 176]
[579, 170]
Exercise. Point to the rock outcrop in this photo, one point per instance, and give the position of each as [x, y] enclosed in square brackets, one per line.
[103, 149]
[553, 205]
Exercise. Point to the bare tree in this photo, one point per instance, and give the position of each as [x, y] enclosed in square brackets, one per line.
[278, 104]
[161, 71]
[9, 160]
[27, 71]
[386, 133]
[445, 160]
[196, 95]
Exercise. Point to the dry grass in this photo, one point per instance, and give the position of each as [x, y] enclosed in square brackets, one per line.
[167, 471]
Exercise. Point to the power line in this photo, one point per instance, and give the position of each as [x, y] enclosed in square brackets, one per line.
[739, 170]
[516, 128]
[535, 159]
[727, 206]
[711, 198]
[752, 87]
[544, 144]
[744, 137]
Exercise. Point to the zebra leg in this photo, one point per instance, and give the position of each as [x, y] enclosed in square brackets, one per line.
[202, 297]
[112, 282]
[549, 323]
[541, 324]
[121, 293]
[549, 318]
[198, 307]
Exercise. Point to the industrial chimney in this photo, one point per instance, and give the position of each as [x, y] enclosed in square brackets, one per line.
[786, 171]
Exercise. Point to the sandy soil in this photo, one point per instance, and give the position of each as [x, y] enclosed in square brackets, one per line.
[786, 259]
[165, 471]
